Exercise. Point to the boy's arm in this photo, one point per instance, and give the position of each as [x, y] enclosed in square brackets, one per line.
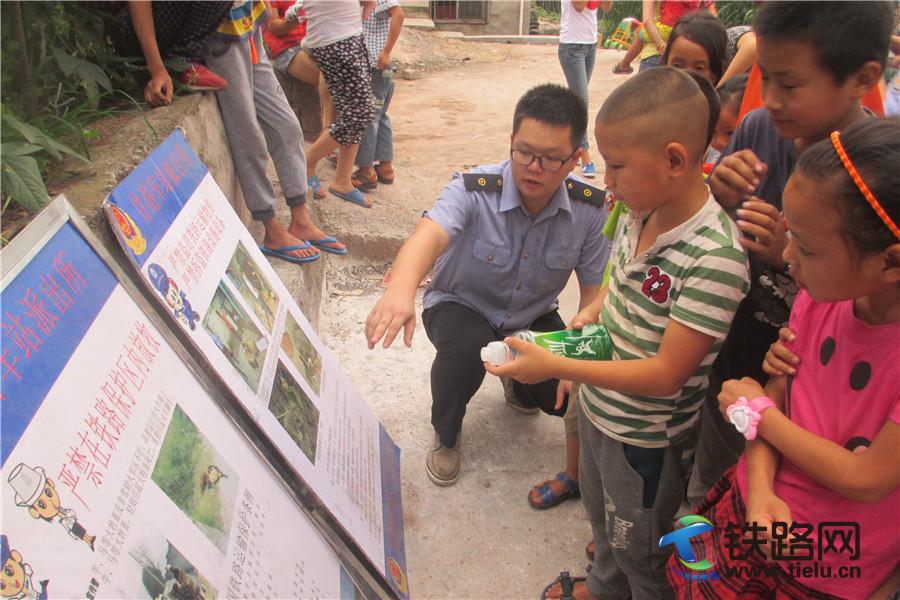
[589, 306]
[159, 89]
[396, 15]
[681, 351]
[866, 476]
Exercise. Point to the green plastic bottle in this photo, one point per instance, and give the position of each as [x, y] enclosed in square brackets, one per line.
[591, 342]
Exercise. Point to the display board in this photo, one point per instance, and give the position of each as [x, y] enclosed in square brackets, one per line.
[202, 265]
[122, 476]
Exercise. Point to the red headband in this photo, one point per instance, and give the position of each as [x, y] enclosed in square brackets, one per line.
[863, 188]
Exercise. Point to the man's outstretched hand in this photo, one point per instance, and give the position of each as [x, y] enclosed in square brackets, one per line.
[391, 313]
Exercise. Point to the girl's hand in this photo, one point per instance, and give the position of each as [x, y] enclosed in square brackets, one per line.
[780, 359]
[533, 363]
[765, 509]
[563, 390]
[736, 388]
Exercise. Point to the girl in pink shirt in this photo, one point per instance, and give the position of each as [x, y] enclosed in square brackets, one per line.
[821, 479]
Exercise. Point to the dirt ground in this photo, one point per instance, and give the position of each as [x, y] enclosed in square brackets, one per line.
[478, 538]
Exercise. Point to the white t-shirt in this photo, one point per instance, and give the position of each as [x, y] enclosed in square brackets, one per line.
[577, 27]
[330, 21]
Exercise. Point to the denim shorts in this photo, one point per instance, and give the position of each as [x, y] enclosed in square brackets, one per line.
[283, 60]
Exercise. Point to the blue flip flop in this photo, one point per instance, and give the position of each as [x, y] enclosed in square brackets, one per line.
[548, 498]
[356, 196]
[315, 185]
[282, 253]
[321, 245]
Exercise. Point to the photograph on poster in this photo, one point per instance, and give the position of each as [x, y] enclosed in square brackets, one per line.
[297, 414]
[247, 279]
[166, 574]
[296, 345]
[236, 336]
[196, 478]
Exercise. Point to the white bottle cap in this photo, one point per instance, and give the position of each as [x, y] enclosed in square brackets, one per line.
[495, 353]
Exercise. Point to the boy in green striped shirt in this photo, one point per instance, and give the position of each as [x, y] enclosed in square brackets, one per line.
[678, 274]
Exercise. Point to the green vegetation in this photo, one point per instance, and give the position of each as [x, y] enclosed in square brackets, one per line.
[731, 12]
[59, 74]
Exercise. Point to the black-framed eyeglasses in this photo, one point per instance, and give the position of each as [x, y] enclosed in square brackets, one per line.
[547, 163]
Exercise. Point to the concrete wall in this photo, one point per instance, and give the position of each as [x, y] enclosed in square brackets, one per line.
[125, 142]
[503, 19]
[304, 99]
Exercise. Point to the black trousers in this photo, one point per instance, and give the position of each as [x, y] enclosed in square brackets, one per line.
[458, 334]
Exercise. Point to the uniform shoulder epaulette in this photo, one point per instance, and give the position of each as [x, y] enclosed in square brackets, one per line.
[579, 190]
[483, 182]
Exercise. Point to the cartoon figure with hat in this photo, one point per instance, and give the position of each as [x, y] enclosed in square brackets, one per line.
[15, 579]
[175, 298]
[37, 492]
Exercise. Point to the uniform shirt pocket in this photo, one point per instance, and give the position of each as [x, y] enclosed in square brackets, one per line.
[491, 253]
[562, 259]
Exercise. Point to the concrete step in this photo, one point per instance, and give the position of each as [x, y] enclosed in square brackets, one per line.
[515, 39]
[423, 23]
[416, 9]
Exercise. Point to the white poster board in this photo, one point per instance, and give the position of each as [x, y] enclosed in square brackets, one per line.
[122, 477]
[198, 260]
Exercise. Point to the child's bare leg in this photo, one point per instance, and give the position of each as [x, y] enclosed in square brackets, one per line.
[557, 487]
[633, 50]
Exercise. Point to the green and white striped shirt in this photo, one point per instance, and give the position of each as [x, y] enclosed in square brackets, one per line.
[695, 274]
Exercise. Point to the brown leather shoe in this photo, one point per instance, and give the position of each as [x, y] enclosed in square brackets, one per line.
[514, 402]
[442, 463]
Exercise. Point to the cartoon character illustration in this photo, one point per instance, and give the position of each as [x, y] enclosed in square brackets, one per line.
[37, 492]
[656, 285]
[211, 478]
[175, 298]
[15, 579]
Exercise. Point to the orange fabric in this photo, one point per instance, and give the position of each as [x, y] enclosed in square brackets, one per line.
[254, 56]
[753, 96]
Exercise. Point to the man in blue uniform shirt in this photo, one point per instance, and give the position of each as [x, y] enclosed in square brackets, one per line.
[503, 240]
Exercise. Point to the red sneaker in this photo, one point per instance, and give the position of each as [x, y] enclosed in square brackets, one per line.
[198, 78]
